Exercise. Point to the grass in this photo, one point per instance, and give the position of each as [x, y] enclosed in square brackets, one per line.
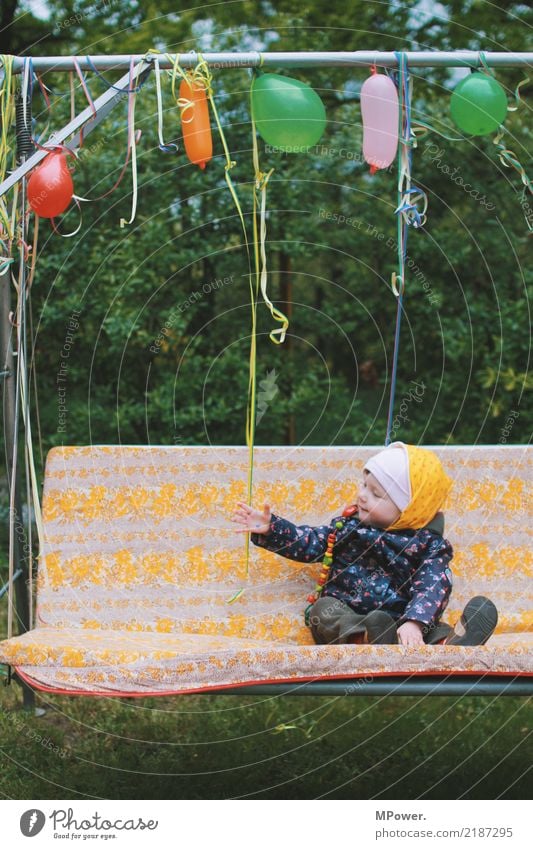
[226, 747]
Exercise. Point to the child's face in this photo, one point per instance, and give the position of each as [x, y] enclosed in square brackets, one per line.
[375, 506]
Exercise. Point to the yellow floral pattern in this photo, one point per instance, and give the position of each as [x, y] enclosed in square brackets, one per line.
[140, 562]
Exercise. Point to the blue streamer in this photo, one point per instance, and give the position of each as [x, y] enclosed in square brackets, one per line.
[110, 85]
[403, 80]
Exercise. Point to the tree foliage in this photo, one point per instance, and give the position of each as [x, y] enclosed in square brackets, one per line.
[162, 349]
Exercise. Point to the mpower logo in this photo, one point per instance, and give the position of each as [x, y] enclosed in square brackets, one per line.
[32, 822]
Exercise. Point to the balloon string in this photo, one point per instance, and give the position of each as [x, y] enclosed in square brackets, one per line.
[409, 196]
[166, 148]
[72, 96]
[404, 176]
[132, 145]
[86, 92]
[120, 176]
[509, 159]
[133, 136]
[202, 76]
[486, 69]
[31, 273]
[74, 232]
[419, 129]
[23, 389]
[516, 95]
[131, 90]
[29, 442]
[14, 218]
[7, 119]
[261, 181]
[27, 88]
[236, 596]
[44, 90]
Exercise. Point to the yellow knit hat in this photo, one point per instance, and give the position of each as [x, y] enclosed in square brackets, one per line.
[429, 487]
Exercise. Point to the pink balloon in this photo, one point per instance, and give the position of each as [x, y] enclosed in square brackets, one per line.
[380, 111]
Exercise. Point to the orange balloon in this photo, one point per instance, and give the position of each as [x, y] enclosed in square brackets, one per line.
[195, 123]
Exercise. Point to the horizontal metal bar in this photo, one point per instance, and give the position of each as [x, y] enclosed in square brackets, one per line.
[419, 59]
[425, 685]
[5, 588]
[461, 685]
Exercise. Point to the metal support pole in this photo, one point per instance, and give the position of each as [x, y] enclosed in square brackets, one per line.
[357, 58]
[8, 363]
[22, 563]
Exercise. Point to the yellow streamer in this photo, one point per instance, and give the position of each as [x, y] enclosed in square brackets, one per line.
[7, 120]
[517, 97]
[509, 159]
[261, 181]
[236, 596]
[201, 75]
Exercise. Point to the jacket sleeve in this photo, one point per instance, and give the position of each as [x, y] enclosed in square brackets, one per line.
[296, 542]
[431, 584]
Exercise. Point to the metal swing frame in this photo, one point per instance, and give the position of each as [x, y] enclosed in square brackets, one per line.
[410, 685]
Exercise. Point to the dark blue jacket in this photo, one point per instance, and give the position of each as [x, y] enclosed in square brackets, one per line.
[403, 572]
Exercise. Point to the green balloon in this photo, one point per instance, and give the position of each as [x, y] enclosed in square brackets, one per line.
[287, 113]
[478, 104]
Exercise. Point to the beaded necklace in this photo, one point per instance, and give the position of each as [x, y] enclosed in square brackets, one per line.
[327, 560]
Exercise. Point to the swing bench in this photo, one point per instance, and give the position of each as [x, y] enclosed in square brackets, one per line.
[144, 588]
[140, 567]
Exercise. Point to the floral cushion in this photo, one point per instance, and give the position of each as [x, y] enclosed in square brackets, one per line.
[144, 585]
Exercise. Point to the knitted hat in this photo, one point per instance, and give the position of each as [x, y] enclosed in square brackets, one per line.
[391, 469]
[415, 481]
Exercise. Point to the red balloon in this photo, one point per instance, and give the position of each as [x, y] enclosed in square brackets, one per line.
[50, 187]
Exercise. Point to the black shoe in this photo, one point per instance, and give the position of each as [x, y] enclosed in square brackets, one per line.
[479, 619]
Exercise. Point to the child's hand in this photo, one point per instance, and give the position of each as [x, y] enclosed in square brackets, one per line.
[252, 520]
[410, 633]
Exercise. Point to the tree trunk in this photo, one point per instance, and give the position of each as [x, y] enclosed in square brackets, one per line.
[7, 16]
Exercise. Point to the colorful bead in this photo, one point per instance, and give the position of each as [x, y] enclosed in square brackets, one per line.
[327, 560]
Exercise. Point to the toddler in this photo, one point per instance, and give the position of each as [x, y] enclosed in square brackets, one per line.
[385, 576]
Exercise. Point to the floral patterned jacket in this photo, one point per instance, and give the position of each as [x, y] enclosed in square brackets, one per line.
[404, 572]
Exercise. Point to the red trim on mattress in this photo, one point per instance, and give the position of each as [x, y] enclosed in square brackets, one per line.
[215, 688]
